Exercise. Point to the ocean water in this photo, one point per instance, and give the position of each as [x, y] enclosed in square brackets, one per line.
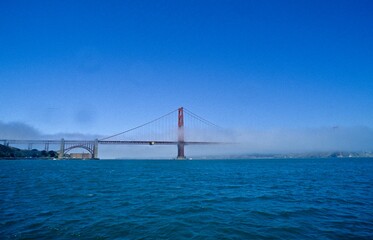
[220, 199]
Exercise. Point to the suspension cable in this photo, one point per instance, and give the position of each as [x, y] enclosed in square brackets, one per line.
[201, 119]
[142, 125]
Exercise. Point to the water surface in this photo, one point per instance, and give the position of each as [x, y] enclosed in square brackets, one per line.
[225, 199]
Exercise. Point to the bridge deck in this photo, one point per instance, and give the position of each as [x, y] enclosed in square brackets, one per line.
[107, 142]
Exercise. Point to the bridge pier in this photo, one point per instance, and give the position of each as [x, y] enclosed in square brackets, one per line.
[180, 151]
[95, 149]
[62, 149]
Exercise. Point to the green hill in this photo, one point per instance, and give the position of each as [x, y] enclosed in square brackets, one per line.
[12, 152]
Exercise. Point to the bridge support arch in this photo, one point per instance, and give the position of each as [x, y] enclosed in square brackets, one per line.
[90, 146]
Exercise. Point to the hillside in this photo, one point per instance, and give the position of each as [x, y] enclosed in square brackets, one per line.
[11, 153]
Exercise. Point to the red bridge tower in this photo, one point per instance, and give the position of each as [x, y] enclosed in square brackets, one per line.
[180, 139]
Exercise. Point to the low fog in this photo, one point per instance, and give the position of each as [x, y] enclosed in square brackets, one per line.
[237, 141]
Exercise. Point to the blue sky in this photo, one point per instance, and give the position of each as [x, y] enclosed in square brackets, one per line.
[105, 66]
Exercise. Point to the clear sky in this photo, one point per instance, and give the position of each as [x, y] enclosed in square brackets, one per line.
[106, 66]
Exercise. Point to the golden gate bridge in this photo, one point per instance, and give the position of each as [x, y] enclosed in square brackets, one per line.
[160, 131]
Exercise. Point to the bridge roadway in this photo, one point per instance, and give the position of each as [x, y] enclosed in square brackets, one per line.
[153, 142]
[92, 145]
[108, 142]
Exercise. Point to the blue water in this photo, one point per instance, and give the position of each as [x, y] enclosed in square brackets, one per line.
[230, 199]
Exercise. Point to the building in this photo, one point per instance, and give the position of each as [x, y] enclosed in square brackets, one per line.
[80, 155]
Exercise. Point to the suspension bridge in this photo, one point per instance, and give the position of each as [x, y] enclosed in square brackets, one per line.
[160, 131]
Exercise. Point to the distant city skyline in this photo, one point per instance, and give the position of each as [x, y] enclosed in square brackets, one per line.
[94, 67]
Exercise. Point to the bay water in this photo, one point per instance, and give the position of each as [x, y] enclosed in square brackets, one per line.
[195, 199]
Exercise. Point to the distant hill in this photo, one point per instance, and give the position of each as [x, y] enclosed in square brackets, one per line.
[12, 152]
[294, 155]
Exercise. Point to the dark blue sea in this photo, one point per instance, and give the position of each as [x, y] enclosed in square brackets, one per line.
[216, 199]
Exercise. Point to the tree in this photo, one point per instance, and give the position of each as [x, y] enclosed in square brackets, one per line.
[44, 153]
[52, 154]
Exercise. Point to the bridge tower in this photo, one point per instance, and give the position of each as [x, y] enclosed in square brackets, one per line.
[180, 139]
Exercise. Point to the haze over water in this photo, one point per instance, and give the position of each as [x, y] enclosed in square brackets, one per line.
[230, 199]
